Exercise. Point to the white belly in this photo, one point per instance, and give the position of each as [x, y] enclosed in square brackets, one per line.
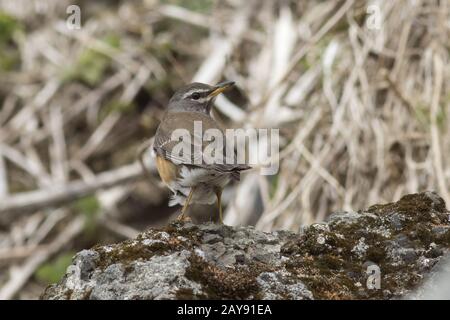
[206, 183]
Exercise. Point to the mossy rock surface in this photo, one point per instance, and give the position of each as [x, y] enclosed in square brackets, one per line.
[401, 241]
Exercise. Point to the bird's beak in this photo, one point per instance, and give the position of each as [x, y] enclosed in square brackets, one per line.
[221, 87]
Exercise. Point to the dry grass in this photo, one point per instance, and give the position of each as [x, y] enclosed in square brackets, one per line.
[363, 113]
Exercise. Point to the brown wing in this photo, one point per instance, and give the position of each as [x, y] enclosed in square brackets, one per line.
[168, 148]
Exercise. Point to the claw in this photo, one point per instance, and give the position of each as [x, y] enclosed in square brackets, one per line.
[183, 218]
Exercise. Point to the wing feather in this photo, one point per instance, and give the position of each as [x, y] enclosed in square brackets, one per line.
[166, 147]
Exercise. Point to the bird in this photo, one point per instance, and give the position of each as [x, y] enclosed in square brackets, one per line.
[191, 180]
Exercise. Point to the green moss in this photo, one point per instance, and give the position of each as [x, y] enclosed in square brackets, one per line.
[8, 25]
[332, 264]
[176, 229]
[9, 53]
[131, 250]
[444, 239]
[331, 269]
[186, 294]
[329, 288]
[88, 205]
[53, 271]
[9, 59]
[90, 208]
[239, 283]
[412, 204]
[202, 6]
[422, 114]
[441, 118]
[119, 106]
[274, 180]
[375, 254]
[124, 253]
[423, 234]
[92, 65]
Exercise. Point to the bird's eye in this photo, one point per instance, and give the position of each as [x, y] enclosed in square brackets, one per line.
[195, 96]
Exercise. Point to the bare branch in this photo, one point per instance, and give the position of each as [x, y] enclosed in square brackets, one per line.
[42, 198]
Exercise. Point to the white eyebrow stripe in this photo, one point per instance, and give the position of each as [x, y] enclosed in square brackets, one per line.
[187, 94]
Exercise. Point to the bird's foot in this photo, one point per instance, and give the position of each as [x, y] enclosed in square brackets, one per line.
[183, 218]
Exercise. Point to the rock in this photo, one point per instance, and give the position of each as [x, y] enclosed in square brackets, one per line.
[435, 284]
[383, 252]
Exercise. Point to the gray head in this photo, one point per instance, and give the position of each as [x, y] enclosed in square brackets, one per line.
[197, 97]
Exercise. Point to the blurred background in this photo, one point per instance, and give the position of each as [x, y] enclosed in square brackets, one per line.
[359, 91]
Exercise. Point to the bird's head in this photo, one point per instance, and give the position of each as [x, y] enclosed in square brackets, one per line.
[197, 97]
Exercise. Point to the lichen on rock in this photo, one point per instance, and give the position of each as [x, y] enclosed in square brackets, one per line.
[330, 260]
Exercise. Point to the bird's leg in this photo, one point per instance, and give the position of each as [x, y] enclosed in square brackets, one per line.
[219, 204]
[181, 217]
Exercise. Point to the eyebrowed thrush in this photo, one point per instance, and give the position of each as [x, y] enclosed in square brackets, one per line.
[191, 179]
